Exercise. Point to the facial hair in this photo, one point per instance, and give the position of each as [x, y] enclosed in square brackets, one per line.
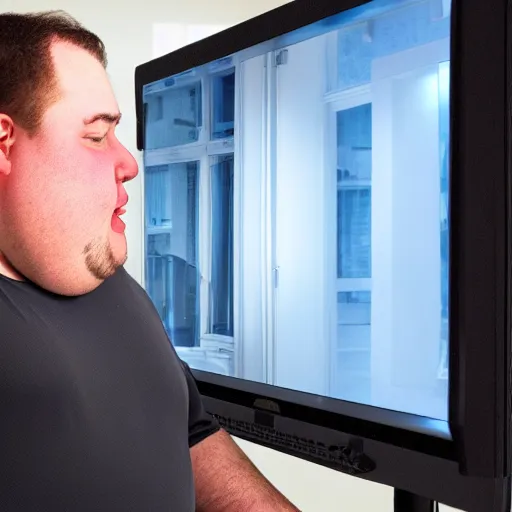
[100, 260]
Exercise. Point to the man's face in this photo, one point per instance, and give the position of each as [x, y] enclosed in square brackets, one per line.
[59, 225]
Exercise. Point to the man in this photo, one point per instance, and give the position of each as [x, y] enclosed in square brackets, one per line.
[97, 411]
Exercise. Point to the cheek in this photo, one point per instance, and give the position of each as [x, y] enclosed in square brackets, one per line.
[90, 191]
[67, 191]
[93, 178]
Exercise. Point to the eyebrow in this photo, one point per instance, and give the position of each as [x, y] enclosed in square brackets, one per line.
[103, 116]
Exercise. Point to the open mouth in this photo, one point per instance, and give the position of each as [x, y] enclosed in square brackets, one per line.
[117, 224]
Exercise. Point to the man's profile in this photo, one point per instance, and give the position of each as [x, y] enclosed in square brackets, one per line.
[98, 412]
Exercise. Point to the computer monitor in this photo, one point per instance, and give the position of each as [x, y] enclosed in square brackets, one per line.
[327, 210]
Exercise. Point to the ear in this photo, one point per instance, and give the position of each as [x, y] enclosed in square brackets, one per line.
[7, 139]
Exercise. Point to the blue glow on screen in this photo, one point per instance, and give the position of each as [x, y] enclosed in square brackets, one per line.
[296, 200]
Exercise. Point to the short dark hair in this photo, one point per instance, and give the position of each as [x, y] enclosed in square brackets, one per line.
[28, 84]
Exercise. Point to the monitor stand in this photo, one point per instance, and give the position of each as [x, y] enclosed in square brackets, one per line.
[408, 502]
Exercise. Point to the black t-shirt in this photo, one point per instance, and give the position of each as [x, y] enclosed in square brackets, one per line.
[97, 411]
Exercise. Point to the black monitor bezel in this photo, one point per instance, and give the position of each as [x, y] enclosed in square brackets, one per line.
[480, 379]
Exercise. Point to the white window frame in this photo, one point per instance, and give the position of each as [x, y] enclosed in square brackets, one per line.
[202, 151]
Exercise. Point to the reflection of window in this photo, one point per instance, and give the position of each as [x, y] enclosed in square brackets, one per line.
[221, 300]
[171, 228]
[382, 237]
[156, 109]
[354, 237]
[353, 372]
[354, 172]
[444, 145]
[223, 107]
[158, 206]
[174, 116]
[354, 193]
[180, 232]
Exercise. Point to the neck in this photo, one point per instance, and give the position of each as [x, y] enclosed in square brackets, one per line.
[7, 270]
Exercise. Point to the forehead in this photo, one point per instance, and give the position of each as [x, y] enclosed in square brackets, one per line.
[83, 82]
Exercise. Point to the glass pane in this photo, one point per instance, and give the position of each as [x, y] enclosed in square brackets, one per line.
[342, 202]
[172, 277]
[223, 105]
[444, 142]
[354, 169]
[352, 379]
[221, 299]
[354, 231]
[352, 375]
[362, 233]
[173, 115]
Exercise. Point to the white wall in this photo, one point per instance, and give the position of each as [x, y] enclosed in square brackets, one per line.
[128, 34]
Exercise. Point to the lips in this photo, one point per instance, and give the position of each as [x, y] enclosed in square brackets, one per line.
[117, 224]
[121, 202]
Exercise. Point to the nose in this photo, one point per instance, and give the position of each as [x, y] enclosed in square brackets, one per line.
[127, 167]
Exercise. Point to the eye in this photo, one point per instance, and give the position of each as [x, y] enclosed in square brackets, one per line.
[97, 140]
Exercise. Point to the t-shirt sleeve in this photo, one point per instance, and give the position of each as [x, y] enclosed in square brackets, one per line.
[201, 424]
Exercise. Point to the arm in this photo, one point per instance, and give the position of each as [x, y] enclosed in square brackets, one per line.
[227, 481]
[224, 477]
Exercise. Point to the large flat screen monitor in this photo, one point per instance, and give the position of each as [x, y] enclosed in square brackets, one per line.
[326, 235]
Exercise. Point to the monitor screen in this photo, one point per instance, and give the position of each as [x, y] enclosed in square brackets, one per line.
[296, 208]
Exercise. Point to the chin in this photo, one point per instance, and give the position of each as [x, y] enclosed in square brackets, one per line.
[65, 283]
[120, 257]
[119, 248]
